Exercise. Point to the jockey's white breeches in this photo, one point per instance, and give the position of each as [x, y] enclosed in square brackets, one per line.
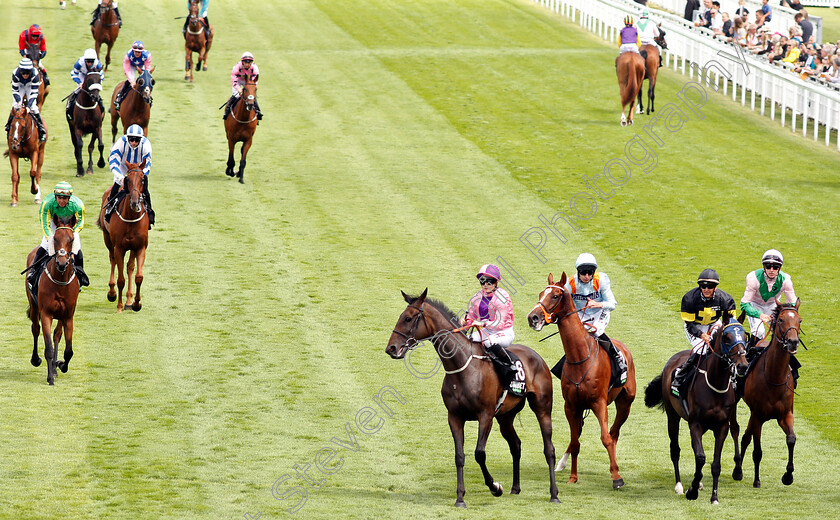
[698, 346]
[628, 47]
[595, 320]
[489, 337]
[757, 327]
[49, 247]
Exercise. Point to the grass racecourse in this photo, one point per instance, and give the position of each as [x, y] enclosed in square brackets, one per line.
[404, 144]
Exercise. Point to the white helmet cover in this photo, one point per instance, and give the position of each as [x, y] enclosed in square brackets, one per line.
[774, 256]
[90, 54]
[134, 131]
[585, 259]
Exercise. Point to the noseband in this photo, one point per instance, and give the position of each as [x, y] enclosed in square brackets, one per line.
[548, 313]
[787, 344]
[411, 342]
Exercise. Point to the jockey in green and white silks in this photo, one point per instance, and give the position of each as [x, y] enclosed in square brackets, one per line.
[764, 288]
[647, 29]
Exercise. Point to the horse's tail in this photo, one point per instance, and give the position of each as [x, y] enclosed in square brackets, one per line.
[653, 393]
[627, 79]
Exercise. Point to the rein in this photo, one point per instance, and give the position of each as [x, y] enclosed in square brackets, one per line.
[27, 130]
[117, 209]
[47, 268]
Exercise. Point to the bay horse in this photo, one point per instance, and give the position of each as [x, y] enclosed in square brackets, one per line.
[33, 52]
[586, 375]
[105, 30]
[651, 70]
[58, 290]
[128, 230]
[768, 389]
[471, 389]
[24, 144]
[136, 108]
[195, 40]
[711, 403]
[240, 127]
[630, 69]
[86, 118]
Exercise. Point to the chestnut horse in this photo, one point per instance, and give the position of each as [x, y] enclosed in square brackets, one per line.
[768, 389]
[240, 127]
[196, 41]
[651, 69]
[33, 52]
[105, 30]
[24, 144]
[128, 230]
[136, 108]
[58, 289]
[630, 68]
[586, 375]
[87, 119]
[711, 403]
[471, 389]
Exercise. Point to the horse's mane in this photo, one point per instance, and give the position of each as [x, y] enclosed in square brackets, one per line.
[441, 307]
[779, 309]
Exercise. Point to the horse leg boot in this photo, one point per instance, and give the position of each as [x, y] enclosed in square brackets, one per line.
[618, 360]
[42, 132]
[79, 265]
[682, 371]
[148, 199]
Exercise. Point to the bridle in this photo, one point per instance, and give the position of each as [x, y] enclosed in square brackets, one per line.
[788, 345]
[411, 342]
[61, 252]
[548, 314]
[728, 350]
[140, 198]
[104, 9]
[94, 98]
[249, 106]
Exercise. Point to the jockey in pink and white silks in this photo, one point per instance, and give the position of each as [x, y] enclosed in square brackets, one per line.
[136, 60]
[492, 309]
[245, 70]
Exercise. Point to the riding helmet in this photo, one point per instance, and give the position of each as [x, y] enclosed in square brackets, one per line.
[489, 270]
[137, 45]
[586, 260]
[247, 56]
[644, 13]
[63, 188]
[134, 131]
[628, 20]
[25, 64]
[90, 54]
[772, 256]
[709, 275]
[35, 30]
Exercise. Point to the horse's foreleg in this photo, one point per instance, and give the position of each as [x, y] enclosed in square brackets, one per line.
[36, 331]
[129, 295]
[720, 439]
[696, 431]
[639, 106]
[245, 147]
[623, 402]
[138, 279]
[485, 424]
[15, 179]
[753, 430]
[119, 256]
[46, 331]
[89, 170]
[230, 162]
[515, 445]
[542, 409]
[68, 345]
[674, 435]
[188, 65]
[575, 419]
[735, 430]
[101, 146]
[456, 425]
[112, 294]
[600, 409]
[786, 423]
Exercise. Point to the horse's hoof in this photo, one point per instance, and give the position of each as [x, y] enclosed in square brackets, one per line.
[136, 306]
[460, 503]
[36, 362]
[787, 479]
[678, 489]
[13, 204]
[62, 365]
[80, 174]
[89, 171]
[497, 490]
[737, 474]
[618, 483]
[715, 502]
[112, 297]
[624, 123]
[241, 180]
[515, 490]
[692, 494]
[700, 487]
[100, 163]
[229, 172]
[186, 77]
[572, 480]
[757, 484]
[630, 122]
[204, 68]
[555, 500]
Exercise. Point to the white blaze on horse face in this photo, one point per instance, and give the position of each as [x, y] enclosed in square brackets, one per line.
[16, 130]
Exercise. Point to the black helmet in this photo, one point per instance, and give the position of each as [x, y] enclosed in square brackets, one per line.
[709, 275]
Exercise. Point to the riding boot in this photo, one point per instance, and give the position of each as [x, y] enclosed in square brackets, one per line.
[184, 30]
[119, 17]
[618, 360]
[9, 122]
[682, 372]
[148, 200]
[68, 111]
[121, 95]
[79, 264]
[503, 360]
[109, 206]
[32, 276]
[257, 108]
[42, 132]
[95, 15]
[794, 369]
[660, 60]
[207, 32]
[228, 108]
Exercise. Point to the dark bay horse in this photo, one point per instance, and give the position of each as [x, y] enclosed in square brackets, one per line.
[711, 403]
[24, 144]
[651, 69]
[196, 41]
[240, 127]
[58, 289]
[105, 30]
[586, 375]
[33, 52]
[86, 118]
[471, 388]
[128, 230]
[630, 69]
[768, 389]
[136, 108]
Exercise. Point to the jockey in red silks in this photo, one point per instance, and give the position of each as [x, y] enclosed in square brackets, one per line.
[34, 36]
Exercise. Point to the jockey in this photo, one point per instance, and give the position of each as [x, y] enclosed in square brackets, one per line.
[133, 147]
[25, 83]
[243, 71]
[628, 38]
[702, 310]
[116, 11]
[33, 35]
[202, 13]
[136, 60]
[63, 203]
[761, 297]
[87, 63]
[648, 31]
[591, 291]
[492, 309]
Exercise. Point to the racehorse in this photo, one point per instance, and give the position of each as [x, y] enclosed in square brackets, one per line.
[768, 389]
[196, 41]
[106, 29]
[651, 69]
[586, 375]
[58, 289]
[129, 231]
[136, 108]
[86, 118]
[471, 389]
[33, 52]
[630, 68]
[710, 400]
[240, 127]
[23, 143]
